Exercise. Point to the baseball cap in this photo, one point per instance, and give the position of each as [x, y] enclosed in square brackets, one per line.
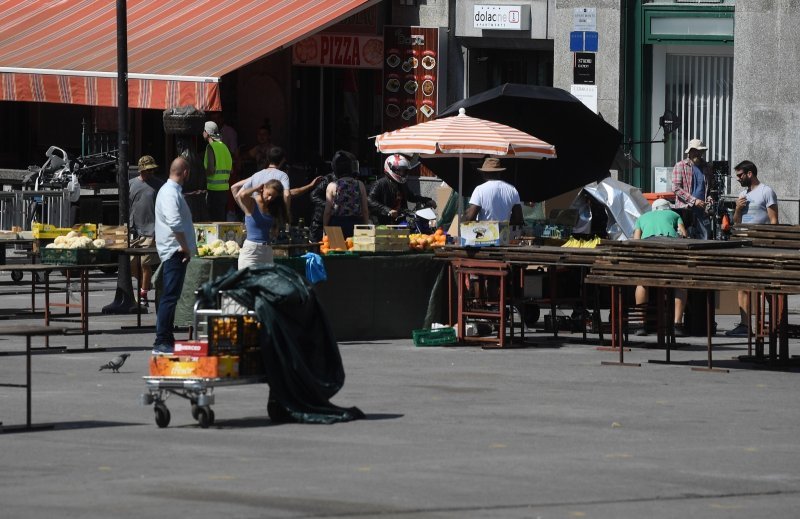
[211, 128]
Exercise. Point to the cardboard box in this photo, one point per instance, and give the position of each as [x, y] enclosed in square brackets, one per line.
[191, 348]
[194, 367]
[206, 233]
[484, 234]
[562, 201]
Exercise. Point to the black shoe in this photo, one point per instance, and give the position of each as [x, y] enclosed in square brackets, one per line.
[680, 331]
[739, 331]
[163, 349]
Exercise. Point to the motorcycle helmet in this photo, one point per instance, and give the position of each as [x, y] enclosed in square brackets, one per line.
[397, 166]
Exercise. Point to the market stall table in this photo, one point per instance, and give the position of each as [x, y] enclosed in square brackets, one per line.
[518, 258]
[28, 332]
[366, 296]
[705, 265]
[83, 291]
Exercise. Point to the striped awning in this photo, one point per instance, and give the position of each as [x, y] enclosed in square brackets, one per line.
[465, 135]
[66, 51]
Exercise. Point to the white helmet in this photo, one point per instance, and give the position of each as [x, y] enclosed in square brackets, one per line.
[397, 166]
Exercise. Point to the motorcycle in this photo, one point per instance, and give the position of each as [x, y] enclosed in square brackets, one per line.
[419, 221]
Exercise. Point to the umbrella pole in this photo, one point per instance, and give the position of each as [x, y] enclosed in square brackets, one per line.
[460, 197]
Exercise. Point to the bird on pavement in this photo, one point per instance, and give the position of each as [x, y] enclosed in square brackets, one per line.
[116, 363]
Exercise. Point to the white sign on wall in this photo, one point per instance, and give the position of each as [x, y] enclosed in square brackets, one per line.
[587, 95]
[584, 19]
[504, 17]
[662, 179]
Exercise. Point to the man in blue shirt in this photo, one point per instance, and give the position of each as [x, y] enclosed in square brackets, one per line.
[176, 244]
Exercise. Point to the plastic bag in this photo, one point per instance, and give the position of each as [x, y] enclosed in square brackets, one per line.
[315, 269]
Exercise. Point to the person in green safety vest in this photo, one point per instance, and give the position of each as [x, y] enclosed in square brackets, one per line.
[218, 163]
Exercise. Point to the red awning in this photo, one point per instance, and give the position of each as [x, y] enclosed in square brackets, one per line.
[66, 51]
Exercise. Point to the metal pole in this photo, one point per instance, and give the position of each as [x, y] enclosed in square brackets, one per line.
[124, 301]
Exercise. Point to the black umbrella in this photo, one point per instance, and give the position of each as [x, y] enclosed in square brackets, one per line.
[586, 145]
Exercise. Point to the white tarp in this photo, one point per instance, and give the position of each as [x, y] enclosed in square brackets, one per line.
[623, 202]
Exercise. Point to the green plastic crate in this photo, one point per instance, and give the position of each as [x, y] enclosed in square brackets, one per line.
[74, 256]
[434, 336]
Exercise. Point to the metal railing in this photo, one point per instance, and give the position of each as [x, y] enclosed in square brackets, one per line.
[22, 208]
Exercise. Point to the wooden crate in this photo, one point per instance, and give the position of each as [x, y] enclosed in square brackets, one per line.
[115, 236]
[379, 244]
[386, 231]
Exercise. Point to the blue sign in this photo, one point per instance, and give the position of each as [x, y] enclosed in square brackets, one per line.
[583, 41]
[576, 41]
[590, 41]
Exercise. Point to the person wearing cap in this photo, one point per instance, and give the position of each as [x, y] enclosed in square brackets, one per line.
[757, 204]
[218, 163]
[690, 182]
[141, 224]
[389, 195]
[661, 223]
[495, 199]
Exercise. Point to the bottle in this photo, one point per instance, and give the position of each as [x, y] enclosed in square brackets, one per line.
[283, 236]
[303, 233]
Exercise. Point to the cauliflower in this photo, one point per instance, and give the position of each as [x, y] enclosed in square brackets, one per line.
[51, 245]
[60, 241]
[81, 242]
[202, 250]
[73, 234]
[218, 251]
[231, 247]
[216, 243]
[99, 243]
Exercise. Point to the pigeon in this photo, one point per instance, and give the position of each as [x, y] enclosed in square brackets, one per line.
[115, 364]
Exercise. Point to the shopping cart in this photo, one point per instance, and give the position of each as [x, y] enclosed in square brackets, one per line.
[199, 391]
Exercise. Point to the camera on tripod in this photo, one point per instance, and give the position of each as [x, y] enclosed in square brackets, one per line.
[720, 172]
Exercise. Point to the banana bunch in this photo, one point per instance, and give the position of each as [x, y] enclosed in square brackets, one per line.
[576, 243]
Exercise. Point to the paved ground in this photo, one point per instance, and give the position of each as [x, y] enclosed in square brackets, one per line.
[544, 431]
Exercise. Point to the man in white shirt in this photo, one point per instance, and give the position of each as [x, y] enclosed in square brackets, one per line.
[175, 243]
[757, 204]
[273, 171]
[495, 199]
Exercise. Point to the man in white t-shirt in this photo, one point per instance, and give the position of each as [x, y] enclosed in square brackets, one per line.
[273, 171]
[494, 199]
[757, 204]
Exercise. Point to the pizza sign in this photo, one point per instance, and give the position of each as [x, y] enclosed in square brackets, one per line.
[339, 50]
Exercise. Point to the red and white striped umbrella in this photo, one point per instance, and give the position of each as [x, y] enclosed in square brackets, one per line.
[464, 135]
